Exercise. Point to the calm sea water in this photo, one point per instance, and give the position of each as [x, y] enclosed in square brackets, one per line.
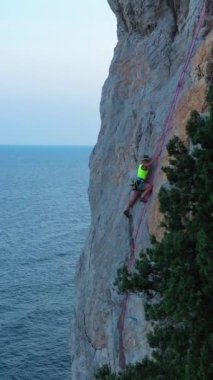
[44, 217]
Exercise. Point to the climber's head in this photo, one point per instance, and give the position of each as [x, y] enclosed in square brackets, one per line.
[146, 158]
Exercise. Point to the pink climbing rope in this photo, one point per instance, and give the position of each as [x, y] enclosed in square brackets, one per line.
[160, 147]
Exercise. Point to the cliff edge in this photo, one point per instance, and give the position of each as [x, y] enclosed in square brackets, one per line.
[161, 68]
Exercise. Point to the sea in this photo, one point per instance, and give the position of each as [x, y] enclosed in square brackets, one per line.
[44, 220]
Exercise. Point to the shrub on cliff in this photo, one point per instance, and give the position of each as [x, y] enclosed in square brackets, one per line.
[178, 272]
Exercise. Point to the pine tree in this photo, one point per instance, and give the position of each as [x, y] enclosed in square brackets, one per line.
[178, 271]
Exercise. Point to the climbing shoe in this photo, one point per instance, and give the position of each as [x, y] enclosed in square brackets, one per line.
[127, 213]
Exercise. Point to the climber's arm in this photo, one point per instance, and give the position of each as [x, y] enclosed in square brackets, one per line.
[147, 165]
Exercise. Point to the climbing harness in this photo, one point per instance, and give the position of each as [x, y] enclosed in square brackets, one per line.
[137, 185]
[160, 147]
[133, 184]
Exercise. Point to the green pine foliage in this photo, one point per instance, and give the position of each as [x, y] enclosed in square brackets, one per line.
[176, 274]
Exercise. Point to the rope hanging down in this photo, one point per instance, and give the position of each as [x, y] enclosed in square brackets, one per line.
[160, 148]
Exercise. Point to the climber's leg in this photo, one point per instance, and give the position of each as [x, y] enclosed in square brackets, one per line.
[147, 190]
[133, 200]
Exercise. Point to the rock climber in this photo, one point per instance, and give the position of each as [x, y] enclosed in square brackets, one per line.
[141, 188]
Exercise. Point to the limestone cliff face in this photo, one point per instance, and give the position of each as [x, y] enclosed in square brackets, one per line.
[154, 37]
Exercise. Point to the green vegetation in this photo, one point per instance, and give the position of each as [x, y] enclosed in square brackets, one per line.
[176, 274]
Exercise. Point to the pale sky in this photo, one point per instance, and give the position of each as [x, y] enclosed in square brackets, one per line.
[54, 59]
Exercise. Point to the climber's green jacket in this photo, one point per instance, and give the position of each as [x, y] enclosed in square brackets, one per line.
[142, 173]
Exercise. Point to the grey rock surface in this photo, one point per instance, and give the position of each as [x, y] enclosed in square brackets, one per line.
[153, 39]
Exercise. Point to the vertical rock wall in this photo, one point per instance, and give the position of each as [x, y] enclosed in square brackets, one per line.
[153, 39]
